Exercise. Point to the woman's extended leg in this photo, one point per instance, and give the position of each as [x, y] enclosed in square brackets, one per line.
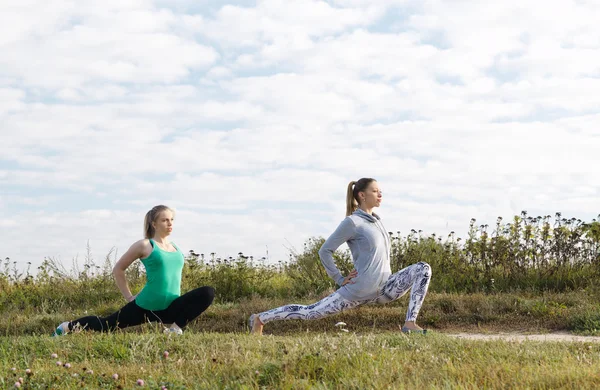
[181, 311]
[329, 305]
[416, 278]
[129, 315]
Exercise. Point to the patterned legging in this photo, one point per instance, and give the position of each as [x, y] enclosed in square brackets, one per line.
[416, 276]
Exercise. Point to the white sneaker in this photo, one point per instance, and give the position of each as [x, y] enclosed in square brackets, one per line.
[61, 329]
[176, 331]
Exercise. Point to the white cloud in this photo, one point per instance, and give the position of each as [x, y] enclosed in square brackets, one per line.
[74, 44]
[290, 21]
[11, 99]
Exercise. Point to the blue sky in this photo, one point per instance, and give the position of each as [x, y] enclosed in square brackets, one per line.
[249, 118]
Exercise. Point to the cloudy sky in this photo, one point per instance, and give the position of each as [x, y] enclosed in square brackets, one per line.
[249, 118]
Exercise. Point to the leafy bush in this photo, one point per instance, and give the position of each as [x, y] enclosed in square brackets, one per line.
[533, 254]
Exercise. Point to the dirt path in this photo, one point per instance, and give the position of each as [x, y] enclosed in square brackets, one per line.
[524, 337]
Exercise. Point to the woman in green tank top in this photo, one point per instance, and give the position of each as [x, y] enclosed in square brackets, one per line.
[160, 299]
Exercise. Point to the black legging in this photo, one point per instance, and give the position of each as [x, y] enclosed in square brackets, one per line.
[181, 311]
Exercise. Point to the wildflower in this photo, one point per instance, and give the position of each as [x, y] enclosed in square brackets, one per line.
[115, 376]
[140, 382]
[91, 372]
[21, 380]
[54, 356]
[13, 369]
[28, 371]
[166, 354]
[17, 384]
[67, 365]
[59, 363]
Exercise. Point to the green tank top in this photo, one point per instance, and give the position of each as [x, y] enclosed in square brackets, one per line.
[163, 278]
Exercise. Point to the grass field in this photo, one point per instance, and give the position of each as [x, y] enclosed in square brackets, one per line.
[217, 353]
[577, 311]
[334, 360]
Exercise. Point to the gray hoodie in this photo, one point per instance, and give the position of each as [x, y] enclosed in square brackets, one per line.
[370, 246]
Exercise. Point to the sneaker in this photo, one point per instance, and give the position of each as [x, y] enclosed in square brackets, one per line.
[406, 330]
[61, 329]
[176, 331]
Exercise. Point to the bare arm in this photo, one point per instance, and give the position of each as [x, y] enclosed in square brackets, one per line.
[138, 250]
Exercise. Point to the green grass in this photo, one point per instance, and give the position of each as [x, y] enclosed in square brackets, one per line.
[315, 360]
[216, 351]
[577, 311]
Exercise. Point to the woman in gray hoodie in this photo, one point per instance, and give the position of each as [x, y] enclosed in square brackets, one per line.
[372, 280]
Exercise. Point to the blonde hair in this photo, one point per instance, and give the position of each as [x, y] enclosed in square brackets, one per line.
[354, 187]
[150, 217]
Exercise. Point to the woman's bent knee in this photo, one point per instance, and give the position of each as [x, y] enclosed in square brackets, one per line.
[208, 292]
[426, 268]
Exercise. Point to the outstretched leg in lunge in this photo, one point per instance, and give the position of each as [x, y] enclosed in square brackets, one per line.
[329, 305]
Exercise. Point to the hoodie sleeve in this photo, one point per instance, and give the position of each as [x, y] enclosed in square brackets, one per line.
[344, 232]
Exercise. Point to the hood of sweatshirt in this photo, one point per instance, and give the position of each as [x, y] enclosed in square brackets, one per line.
[369, 217]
